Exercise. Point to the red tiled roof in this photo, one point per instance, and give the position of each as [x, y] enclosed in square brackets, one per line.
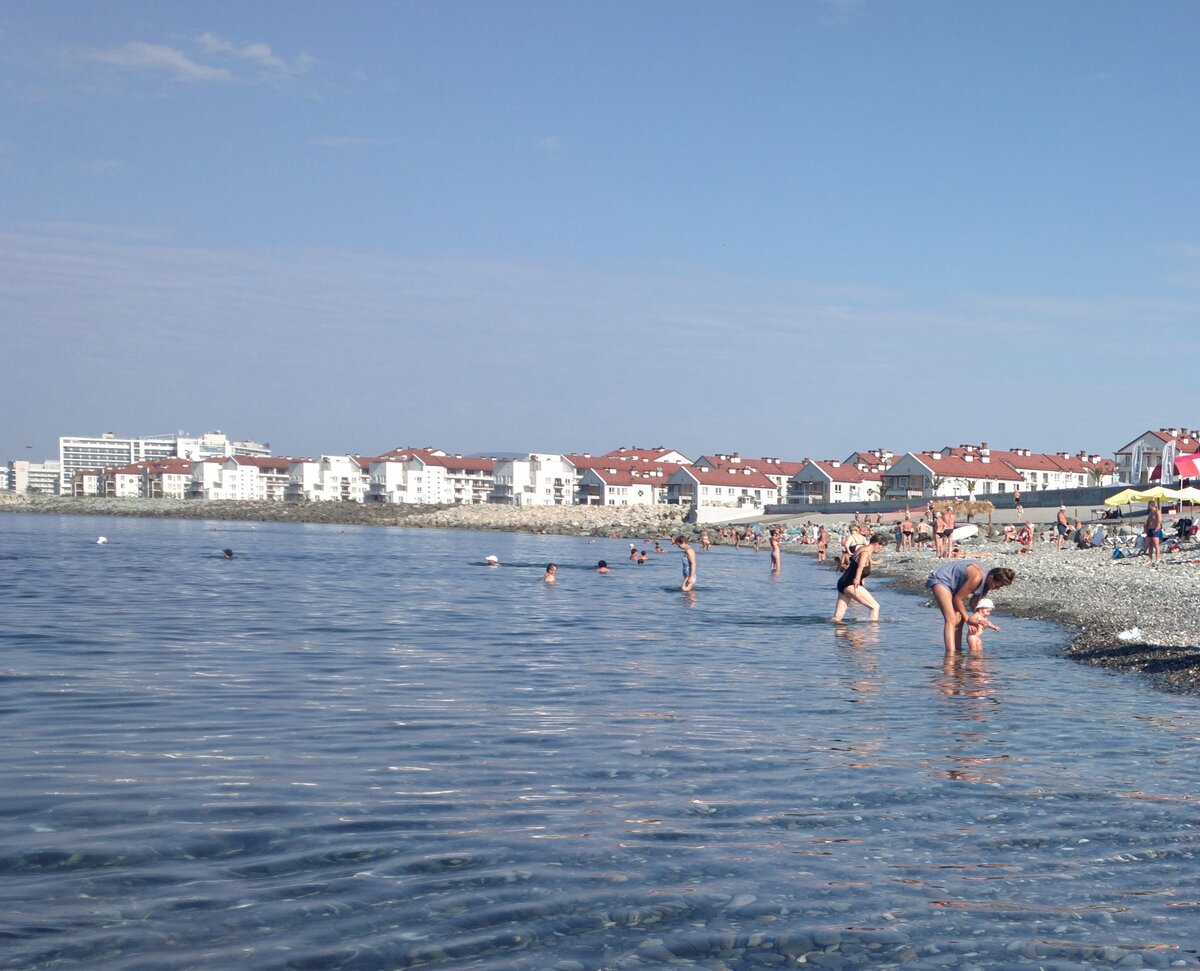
[264, 463]
[457, 463]
[172, 466]
[738, 477]
[841, 472]
[640, 454]
[623, 475]
[768, 466]
[958, 467]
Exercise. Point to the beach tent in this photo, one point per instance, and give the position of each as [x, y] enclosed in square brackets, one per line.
[1190, 495]
[1188, 466]
[1122, 498]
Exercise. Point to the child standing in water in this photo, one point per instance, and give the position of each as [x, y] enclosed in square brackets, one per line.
[689, 562]
[978, 622]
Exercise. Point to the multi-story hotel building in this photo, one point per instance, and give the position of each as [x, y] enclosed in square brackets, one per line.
[40, 478]
[107, 451]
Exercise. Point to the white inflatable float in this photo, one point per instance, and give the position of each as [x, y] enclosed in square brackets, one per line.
[965, 531]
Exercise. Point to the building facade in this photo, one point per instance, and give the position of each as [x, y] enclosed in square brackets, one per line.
[540, 479]
[35, 478]
[705, 487]
[331, 478]
[1138, 461]
[111, 451]
[626, 484]
[833, 481]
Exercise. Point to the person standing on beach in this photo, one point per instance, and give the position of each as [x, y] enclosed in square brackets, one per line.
[1017, 507]
[939, 527]
[1154, 532]
[776, 561]
[948, 523]
[953, 584]
[822, 543]
[906, 530]
[689, 562]
[850, 586]
[1061, 526]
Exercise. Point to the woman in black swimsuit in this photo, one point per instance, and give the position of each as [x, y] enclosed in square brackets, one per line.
[850, 586]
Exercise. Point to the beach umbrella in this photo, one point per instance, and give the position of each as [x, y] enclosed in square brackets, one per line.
[1190, 495]
[1157, 494]
[1122, 498]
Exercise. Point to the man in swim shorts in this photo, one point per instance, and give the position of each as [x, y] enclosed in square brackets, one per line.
[1154, 532]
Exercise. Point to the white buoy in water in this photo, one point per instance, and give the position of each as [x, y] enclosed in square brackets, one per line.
[102, 539]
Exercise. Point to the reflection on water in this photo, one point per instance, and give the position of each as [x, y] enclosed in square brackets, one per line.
[357, 749]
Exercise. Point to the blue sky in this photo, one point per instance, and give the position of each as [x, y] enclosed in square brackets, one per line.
[790, 228]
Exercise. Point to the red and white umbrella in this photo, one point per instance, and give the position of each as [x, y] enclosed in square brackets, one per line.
[1188, 466]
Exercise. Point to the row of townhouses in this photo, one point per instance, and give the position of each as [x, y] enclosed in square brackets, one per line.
[212, 468]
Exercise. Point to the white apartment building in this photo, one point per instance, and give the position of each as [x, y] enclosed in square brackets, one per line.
[537, 480]
[1044, 470]
[426, 475]
[1138, 460]
[168, 479]
[331, 478]
[123, 481]
[728, 488]
[34, 478]
[626, 484]
[87, 482]
[926, 475]
[777, 470]
[5, 478]
[110, 451]
[240, 478]
[832, 481]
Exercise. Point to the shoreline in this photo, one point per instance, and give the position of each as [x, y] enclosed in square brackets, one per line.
[1095, 598]
[1122, 615]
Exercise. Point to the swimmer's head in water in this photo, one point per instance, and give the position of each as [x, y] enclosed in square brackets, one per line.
[602, 565]
[228, 554]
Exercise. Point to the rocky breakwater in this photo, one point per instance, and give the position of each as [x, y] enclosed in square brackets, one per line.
[1123, 614]
[618, 521]
[569, 520]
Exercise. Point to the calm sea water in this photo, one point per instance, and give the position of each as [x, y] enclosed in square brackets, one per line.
[358, 748]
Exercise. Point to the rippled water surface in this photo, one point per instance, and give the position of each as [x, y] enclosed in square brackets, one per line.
[360, 749]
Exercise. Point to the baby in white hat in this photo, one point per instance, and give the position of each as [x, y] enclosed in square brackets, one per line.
[978, 622]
